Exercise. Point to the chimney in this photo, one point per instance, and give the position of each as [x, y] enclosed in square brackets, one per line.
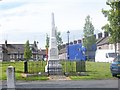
[83, 40]
[79, 41]
[75, 42]
[35, 44]
[63, 46]
[66, 44]
[5, 43]
[95, 36]
[106, 34]
[99, 35]
[71, 43]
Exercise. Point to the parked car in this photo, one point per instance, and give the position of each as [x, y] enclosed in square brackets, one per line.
[115, 66]
[105, 56]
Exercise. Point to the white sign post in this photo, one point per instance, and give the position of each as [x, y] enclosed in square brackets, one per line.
[11, 77]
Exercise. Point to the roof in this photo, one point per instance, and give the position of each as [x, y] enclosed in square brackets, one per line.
[15, 48]
[102, 41]
[42, 52]
[62, 51]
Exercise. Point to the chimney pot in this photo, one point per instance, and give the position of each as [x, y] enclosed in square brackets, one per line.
[71, 43]
[79, 41]
[99, 35]
[75, 42]
[105, 34]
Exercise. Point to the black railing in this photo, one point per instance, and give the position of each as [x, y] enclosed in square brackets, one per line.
[68, 66]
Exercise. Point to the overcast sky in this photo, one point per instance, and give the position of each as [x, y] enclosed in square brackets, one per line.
[18, 18]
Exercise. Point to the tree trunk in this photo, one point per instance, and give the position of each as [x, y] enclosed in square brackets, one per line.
[115, 44]
[119, 48]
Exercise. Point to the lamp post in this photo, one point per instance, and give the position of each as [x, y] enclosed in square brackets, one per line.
[37, 51]
[18, 53]
[68, 32]
[66, 73]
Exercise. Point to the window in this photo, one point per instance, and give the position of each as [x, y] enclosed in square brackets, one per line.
[0, 55]
[112, 54]
[117, 58]
[11, 56]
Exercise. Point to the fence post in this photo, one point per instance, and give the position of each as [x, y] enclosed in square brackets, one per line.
[11, 77]
[25, 67]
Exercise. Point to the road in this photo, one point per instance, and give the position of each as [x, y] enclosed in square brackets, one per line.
[66, 84]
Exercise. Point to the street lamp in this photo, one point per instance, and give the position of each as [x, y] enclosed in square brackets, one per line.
[18, 53]
[66, 73]
[68, 32]
[37, 50]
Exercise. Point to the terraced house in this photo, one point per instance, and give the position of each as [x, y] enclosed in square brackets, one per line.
[103, 42]
[15, 52]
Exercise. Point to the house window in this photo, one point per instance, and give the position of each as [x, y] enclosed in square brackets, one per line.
[21, 56]
[36, 56]
[0, 55]
[17, 56]
[32, 56]
[14, 56]
[99, 48]
[11, 56]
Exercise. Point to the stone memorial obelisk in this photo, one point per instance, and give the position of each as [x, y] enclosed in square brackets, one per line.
[53, 66]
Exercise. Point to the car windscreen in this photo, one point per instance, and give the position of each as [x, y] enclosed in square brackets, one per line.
[112, 55]
[117, 58]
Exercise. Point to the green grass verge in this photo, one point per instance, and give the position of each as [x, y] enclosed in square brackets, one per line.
[19, 69]
[94, 70]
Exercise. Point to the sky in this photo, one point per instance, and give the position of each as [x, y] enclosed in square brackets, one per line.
[22, 20]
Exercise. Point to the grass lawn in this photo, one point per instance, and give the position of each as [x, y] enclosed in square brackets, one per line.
[19, 69]
[94, 70]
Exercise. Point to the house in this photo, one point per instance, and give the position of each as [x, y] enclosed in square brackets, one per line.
[42, 54]
[63, 52]
[72, 52]
[103, 42]
[15, 52]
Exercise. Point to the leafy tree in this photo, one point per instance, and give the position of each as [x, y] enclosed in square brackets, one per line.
[47, 45]
[113, 25]
[27, 51]
[88, 30]
[59, 39]
[47, 41]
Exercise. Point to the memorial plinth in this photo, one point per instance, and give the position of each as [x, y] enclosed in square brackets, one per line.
[53, 66]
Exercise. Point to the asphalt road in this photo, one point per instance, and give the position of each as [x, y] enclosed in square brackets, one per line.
[67, 84]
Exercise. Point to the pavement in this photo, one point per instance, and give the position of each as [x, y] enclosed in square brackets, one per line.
[66, 84]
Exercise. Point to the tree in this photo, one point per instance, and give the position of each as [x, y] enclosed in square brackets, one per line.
[89, 38]
[47, 41]
[47, 45]
[113, 25]
[27, 51]
[88, 30]
[59, 39]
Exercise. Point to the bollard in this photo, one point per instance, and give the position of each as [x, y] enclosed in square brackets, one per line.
[25, 67]
[10, 77]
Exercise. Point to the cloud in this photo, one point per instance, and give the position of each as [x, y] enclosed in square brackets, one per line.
[36, 15]
[10, 5]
